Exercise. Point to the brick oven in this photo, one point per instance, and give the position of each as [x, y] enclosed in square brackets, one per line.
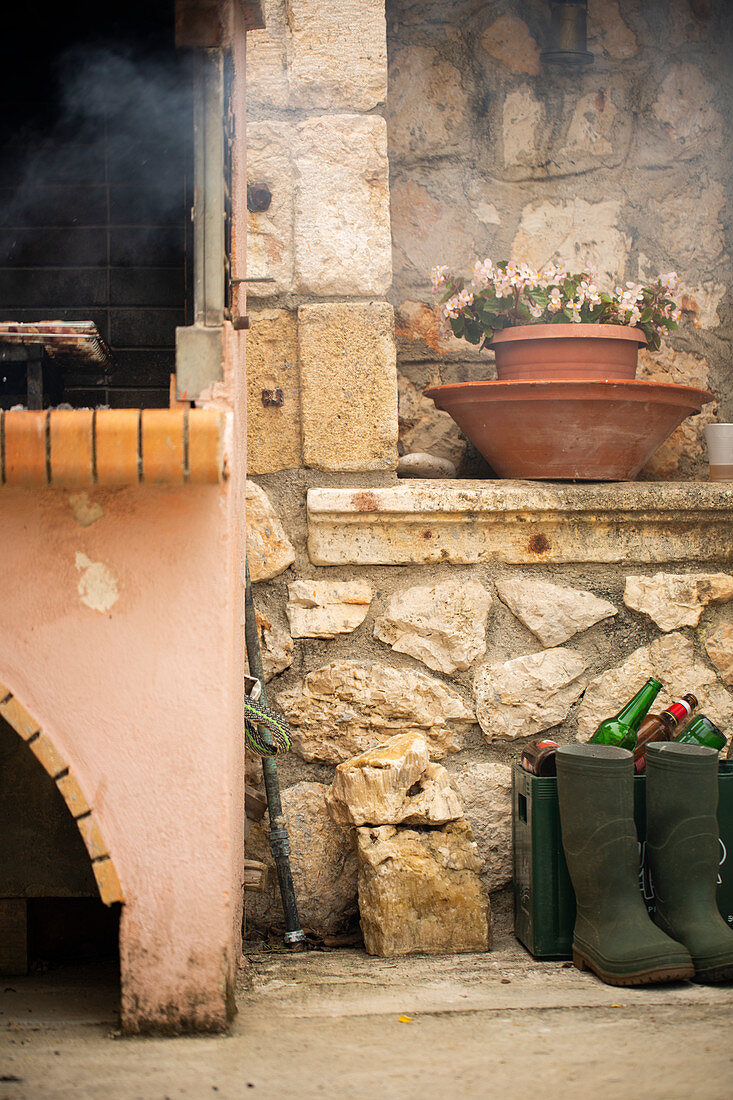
[121, 579]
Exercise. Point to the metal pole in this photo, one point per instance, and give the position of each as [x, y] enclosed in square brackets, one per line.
[279, 842]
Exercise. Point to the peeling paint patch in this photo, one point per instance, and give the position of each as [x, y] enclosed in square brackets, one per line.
[97, 586]
[86, 511]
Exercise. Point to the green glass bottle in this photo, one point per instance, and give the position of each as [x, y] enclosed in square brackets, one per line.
[701, 731]
[621, 730]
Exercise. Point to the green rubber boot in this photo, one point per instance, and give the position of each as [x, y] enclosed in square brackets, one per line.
[683, 852]
[613, 935]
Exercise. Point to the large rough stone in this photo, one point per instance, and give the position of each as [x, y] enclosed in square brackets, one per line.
[427, 105]
[270, 253]
[608, 31]
[486, 794]
[521, 122]
[273, 428]
[348, 706]
[508, 40]
[393, 783]
[443, 625]
[684, 368]
[577, 233]
[597, 130]
[323, 862]
[687, 223]
[420, 892]
[673, 600]
[670, 659]
[700, 303]
[527, 694]
[276, 647]
[267, 60]
[719, 646]
[323, 609]
[337, 54]
[419, 337]
[684, 108]
[553, 612]
[683, 455]
[349, 385]
[343, 244]
[269, 550]
[425, 429]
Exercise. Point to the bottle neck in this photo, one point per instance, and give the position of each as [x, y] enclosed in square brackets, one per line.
[632, 714]
[678, 710]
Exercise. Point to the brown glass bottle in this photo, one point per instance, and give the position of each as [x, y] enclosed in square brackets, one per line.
[661, 727]
[539, 757]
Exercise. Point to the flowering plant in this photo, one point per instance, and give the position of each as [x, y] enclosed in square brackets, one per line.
[507, 294]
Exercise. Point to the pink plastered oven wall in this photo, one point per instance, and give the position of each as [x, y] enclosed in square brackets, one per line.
[122, 638]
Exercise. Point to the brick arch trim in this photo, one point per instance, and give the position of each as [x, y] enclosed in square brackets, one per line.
[46, 753]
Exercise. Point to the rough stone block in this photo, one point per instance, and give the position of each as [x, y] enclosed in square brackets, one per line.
[337, 54]
[428, 108]
[269, 550]
[343, 244]
[349, 706]
[323, 609]
[552, 612]
[349, 386]
[528, 694]
[579, 234]
[670, 659]
[323, 862]
[673, 600]
[509, 41]
[719, 646]
[486, 794]
[393, 783]
[267, 60]
[443, 625]
[273, 392]
[420, 892]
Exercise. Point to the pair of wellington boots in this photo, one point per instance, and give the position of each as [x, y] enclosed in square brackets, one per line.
[614, 935]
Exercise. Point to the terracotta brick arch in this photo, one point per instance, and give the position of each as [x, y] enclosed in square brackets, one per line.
[46, 753]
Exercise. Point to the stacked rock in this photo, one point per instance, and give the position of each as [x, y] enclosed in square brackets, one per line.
[419, 886]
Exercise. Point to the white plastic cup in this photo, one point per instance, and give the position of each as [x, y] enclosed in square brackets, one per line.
[719, 438]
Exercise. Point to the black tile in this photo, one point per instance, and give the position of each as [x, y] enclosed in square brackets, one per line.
[53, 205]
[147, 247]
[55, 247]
[147, 367]
[144, 328]
[133, 204]
[140, 399]
[51, 161]
[52, 288]
[147, 286]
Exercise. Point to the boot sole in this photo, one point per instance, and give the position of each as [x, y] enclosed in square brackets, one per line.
[714, 974]
[679, 973]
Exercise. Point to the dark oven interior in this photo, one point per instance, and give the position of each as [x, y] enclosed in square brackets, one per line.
[95, 195]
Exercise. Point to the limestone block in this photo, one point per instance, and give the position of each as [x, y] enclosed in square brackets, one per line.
[592, 133]
[683, 456]
[267, 61]
[270, 232]
[527, 694]
[273, 429]
[607, 30]
[427, 105]
[719, 645]
[348, 706]
[337, 54]
[323, 862]
[508, 40]
[553, 612]
[684, 368]
[417, 325]
[269, 550]
[443, 625]
[486, 794]
[276, 647]
[700, 303]
[687, 223]
[420, 892]
[684, 108]
[579, 234]
[424, 429]
[323, 609]
[393, 783]
[349, 386]
[673, 600]
[670, 659]
[521, 121]
[343, 244]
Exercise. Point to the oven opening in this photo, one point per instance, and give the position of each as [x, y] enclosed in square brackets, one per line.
[95, 199]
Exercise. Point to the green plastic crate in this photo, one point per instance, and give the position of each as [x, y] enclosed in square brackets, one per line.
[544, 902]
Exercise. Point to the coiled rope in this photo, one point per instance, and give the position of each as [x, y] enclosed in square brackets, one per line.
[257, 715]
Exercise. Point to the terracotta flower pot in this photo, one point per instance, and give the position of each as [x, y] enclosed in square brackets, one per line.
[565, 430]
[534, 352]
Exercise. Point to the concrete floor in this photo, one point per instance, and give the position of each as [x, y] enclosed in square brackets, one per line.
[328, 1025]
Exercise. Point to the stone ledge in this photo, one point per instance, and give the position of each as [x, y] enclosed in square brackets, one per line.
[520, 522]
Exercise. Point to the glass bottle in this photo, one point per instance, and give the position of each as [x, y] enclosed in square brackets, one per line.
[539, 757]
[661, 727]
[621, 730]
[701, 731]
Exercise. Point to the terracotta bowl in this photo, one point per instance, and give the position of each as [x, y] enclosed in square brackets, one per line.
[534, 352]
[568, 430]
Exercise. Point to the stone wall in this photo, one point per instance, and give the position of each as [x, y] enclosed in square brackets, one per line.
[438, 616]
